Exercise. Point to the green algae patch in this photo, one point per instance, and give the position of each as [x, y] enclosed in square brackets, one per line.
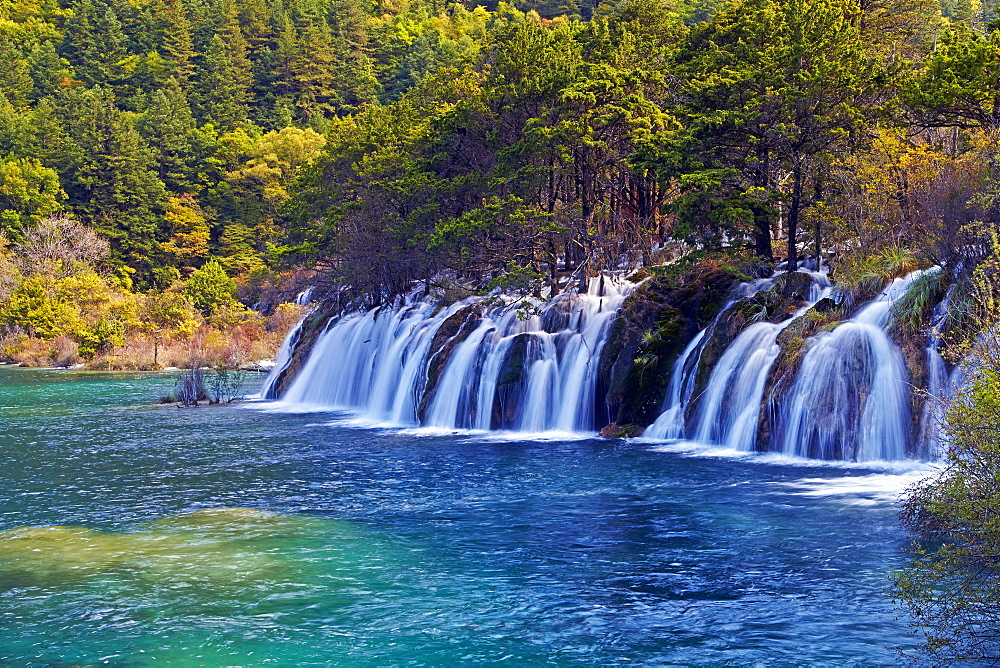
[228, 547]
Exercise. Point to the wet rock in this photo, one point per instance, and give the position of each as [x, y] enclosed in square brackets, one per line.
[511, 382]
[654, 325]
[453, 331]
[615, 430]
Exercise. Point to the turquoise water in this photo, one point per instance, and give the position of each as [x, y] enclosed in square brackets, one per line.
[134, 533]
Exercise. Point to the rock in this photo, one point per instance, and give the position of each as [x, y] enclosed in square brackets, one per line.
[510, 385]
[615, 430]
[652, 329]
[455, 329]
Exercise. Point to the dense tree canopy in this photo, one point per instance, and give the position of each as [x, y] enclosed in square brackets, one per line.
[563, 137]
[388, 143]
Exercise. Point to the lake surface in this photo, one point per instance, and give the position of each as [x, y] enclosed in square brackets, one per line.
[140, 534]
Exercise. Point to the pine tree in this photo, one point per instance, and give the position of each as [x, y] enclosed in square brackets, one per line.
[112, 183]
[167, 126]
[254, 19]
[49, 72]
[355, 72]
[17, 131]
[96, 45]
[312, 73]
[178, 46]
[15, 81]
[222, 92]
[236, 43]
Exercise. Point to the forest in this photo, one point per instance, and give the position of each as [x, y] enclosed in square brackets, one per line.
[200, 158]
[173, 172]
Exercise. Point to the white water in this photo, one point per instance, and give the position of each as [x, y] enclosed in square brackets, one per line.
[304, 298]
[537, 373]
[850, 399]
[938, 387]
[376, 363]
[671, 422]
[729, 409]
[371, 362]
[553, 381]
[269, 390]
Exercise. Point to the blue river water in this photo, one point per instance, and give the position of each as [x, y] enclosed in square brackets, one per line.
[134, 533]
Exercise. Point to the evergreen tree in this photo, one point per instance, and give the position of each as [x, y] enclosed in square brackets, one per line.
[222, 91]
[112, 183]
[167, 125]
[959, 84]
[49, 72]
[178, 46]
[312, 73]
[96, 45]
[17, 129]
[15, 80]
[232, 34]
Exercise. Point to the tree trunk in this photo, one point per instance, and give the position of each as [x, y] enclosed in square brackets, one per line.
[761, 214]
[819, 225]
[793, 216]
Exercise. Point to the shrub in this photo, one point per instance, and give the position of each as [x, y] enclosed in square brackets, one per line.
[210, 289]
[952, 585]
[190, 387]
[865, 272]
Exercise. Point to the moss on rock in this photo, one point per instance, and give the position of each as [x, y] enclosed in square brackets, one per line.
[653, 327]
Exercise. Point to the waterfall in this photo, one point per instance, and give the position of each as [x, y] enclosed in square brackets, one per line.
[938, 386]
[532, 367]
[547, 363]
[269, 391]
[304, 298]
[670, 424]
[728, 410]
[371, 362]
[850, 399]
[529, 369]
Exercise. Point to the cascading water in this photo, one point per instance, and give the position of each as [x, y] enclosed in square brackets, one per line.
[729, 408]
[304, 297]
[850, 399]
[269, 391]
[534, 373]
[671, 422]
[938, 387]
[372, 362]
[530, 374]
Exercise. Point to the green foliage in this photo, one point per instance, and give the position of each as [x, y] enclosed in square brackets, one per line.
[958, 84]
[912, 312]
[104, 337]
[522, 147]
[868, 272]
[38, 308]
[171, 311]
[516, 280]
[210, 289]
[28, 192]
[952, 585]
